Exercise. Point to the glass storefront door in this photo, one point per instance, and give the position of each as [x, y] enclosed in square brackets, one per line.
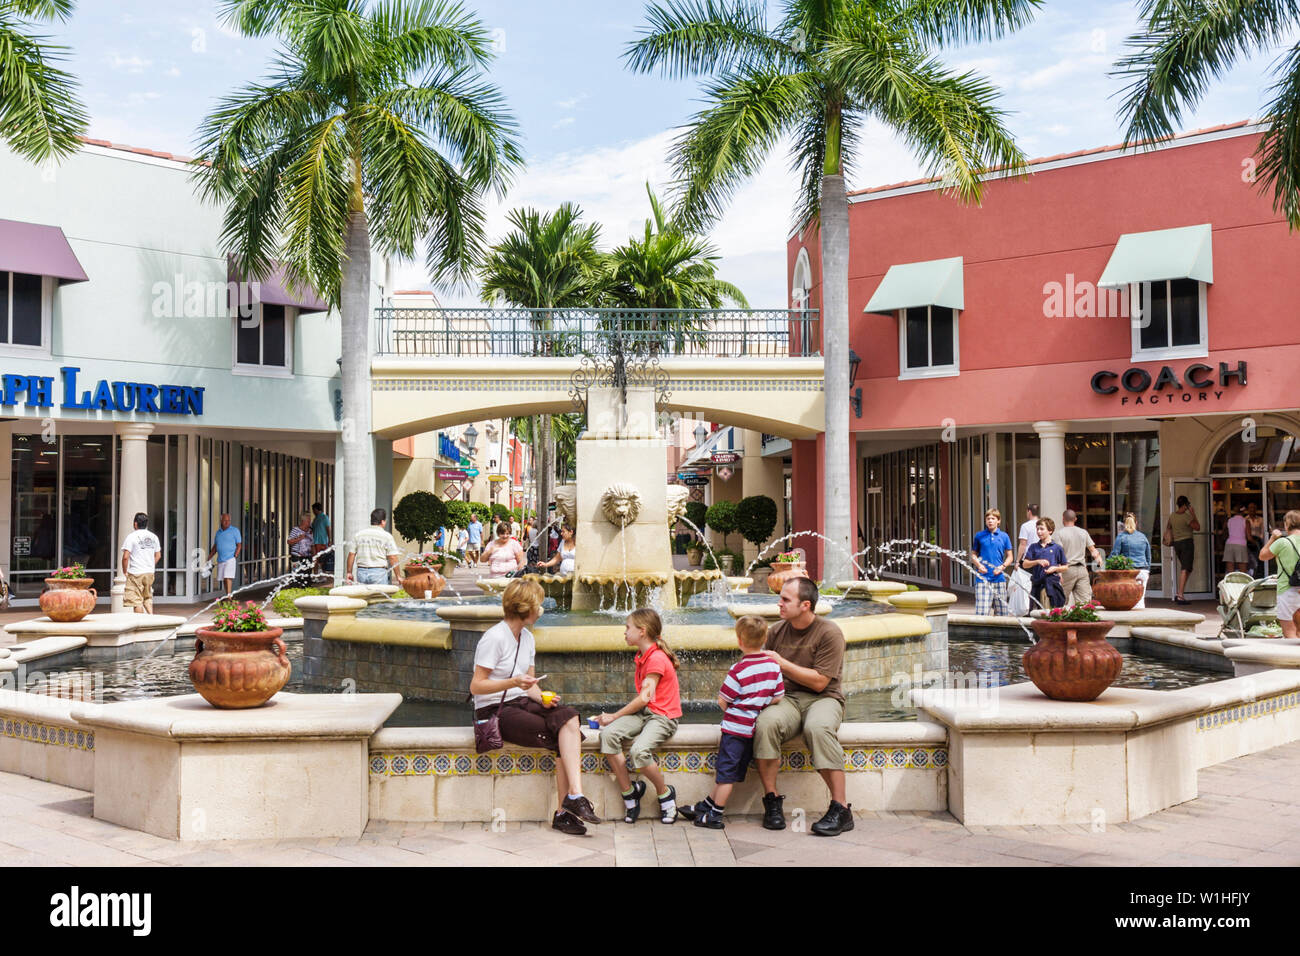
[1282, 494]
[1199, 582]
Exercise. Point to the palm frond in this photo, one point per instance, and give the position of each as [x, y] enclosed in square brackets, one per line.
[318, 192]
[1182, 46]
[729, 141]
[41, 117]
[1279, 151]
[690, 37]
[954, 22]
[415, 35]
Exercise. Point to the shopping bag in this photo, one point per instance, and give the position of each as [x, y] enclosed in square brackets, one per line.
[1018, 592]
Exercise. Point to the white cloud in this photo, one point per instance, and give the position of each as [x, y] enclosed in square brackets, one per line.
[608, 182]
[127, 64]
[572, 102]
[562, 122]
[173, 71]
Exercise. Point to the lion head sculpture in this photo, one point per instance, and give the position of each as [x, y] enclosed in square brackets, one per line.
[566, 500]
[620, 504]
[677, 499]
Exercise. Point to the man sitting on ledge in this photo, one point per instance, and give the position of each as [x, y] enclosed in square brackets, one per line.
[810, 650]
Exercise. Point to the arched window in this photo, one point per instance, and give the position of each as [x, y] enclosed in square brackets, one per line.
[802, 281]
[1264, 448]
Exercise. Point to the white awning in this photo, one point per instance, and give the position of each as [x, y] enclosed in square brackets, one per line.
[936, 282]
[1182, 253]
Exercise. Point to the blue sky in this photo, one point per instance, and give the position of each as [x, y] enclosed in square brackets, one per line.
[593, 132]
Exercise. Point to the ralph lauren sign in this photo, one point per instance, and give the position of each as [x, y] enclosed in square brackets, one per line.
[37, 391]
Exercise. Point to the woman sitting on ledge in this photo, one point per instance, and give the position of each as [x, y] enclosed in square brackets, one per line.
[503, 662]
[565, 557]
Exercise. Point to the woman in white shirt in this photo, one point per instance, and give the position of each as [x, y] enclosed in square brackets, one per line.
[566, 557]
[504, 668]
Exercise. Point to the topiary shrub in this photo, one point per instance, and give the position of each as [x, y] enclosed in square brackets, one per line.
[283, 604]
[501, 513]
[458, 513]
[696, 512]
[721, 517]
[418, 516]
[756, 519]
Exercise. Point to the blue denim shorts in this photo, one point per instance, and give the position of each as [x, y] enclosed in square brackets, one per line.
[734, 756]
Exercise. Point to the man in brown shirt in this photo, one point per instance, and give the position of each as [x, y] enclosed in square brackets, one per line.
[810, 651]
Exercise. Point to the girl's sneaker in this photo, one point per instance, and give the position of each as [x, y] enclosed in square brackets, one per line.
[630, 814]
[668, 806]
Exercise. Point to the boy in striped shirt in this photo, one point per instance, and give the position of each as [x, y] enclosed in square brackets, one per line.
[753, 682]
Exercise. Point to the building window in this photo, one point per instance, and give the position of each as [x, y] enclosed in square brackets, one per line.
[1170, 321]
[263, 341]
[25, 313]
[927, 342]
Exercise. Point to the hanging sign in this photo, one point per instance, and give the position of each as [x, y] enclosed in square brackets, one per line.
[452, 492]
[724, 457]
[498, 477]
[470, 472]
[692, 481]
[451, 474]
[725, 473]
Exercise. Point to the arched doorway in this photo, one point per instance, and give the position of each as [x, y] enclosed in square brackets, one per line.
[1256, 468]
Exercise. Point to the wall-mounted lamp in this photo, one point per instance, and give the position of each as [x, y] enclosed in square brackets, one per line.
[855, 394]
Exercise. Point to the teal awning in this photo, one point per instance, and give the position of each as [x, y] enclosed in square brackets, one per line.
[936, 282]
[1182, 253]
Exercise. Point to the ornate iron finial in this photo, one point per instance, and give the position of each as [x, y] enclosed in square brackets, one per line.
[609, 367]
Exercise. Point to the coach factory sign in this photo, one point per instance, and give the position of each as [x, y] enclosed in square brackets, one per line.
[1198, 383]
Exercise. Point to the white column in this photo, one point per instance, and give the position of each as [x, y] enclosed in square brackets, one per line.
[132, 494]
[1051, 469]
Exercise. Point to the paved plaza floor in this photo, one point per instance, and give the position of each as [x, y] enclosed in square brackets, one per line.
[1247, 815]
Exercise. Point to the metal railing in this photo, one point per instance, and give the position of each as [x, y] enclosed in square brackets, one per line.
[701, 333]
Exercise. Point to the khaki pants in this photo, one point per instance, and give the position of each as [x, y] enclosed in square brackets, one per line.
[817, 716]
[1074, 582]
[646, 730]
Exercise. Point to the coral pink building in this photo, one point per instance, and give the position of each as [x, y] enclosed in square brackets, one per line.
[1114, 330]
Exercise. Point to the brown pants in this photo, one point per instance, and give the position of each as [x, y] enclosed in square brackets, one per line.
[526, 723]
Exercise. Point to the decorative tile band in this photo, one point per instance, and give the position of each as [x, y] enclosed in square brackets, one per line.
[1239, 713]
[564, 385]
[461, 764]
[50, 734]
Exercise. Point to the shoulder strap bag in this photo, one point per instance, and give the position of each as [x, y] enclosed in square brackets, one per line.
[487, 732]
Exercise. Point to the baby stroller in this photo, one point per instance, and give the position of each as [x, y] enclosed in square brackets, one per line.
[1247, 604]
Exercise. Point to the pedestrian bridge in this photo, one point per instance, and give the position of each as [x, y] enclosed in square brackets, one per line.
[439, 367]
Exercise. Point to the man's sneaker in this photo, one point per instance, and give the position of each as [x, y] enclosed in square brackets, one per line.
[631, 813]
[668, 808]
[581, 808]
[566, 822]
[773, 817]
[838, 819]
[710, 818]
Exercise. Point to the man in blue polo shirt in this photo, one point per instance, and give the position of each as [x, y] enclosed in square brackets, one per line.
[226, 545]
[475, 542]
[991, 556]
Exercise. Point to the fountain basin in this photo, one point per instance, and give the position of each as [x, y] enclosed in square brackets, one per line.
[430, 656]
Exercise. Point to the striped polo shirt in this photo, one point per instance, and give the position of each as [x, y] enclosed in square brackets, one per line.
[753, 682]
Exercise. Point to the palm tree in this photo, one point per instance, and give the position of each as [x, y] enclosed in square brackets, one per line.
[817, 77]
[376, 125]
[40, 116]
[547, 261]
[667, 268]
[1184, 45]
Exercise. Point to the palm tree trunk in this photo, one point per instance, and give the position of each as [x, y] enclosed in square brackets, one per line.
[836, 462]
[358, 446]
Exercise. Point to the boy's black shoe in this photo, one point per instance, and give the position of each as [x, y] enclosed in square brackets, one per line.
[668, 808]
[773, 817]
[630, 814]
[711, 819]
[838, 818]
[566, 822]
[693, 811]
[581, 808]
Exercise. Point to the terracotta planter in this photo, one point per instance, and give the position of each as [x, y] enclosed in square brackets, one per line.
[1117, 590]
[68, 599]
[1072, 661]
[782, 572]
[417, 578]
[233, 670]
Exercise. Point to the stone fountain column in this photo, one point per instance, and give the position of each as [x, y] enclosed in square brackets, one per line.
[621, 447]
